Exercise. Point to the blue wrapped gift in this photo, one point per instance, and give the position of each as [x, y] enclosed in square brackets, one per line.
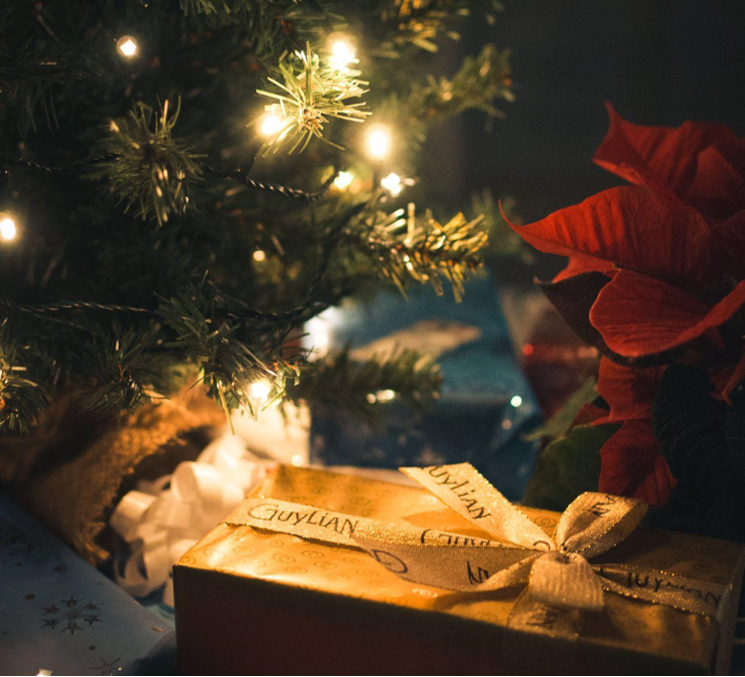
[486, 404]
[61, 616]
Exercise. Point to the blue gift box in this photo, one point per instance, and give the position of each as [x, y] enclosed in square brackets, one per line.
[61, 616]
[486, 404]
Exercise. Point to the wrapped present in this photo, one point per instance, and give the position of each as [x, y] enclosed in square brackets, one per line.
[323, 573]
[62, 616]
[486, 403]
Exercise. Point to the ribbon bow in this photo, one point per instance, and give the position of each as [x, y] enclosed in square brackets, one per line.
[559, 576]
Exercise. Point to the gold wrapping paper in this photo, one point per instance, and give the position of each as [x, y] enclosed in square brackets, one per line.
[630, 633]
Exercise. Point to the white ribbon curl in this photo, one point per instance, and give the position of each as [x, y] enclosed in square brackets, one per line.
[163, 519]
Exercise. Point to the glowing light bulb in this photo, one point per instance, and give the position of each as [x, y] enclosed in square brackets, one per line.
[8, 228]
[516, 401]
[260, 390]
[343, 180]
[319, 332]
[127, 46]
[342, 53]
[392, 183]
[271, 125]
[259, 255]
[378, 141]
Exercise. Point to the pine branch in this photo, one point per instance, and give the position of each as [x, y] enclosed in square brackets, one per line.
[479, 83]
[308, 95]
[362, 388]
[421, 23]
[121, 369]
[149, 168]
[421, 249]
[503, 241]
[21, 397]
[27, 81]
[230, 367]
[192, 7]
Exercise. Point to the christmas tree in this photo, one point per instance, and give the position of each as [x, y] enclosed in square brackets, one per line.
[185, 183]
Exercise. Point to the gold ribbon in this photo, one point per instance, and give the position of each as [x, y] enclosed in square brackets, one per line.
[560, 581]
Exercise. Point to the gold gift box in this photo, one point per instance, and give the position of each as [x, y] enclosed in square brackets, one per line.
[251, 601]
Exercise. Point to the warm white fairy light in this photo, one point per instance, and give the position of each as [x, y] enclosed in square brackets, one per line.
[127, 46]
[260, 390]
[381, 396]
[378, 141]
[516, 401]
[342, 53]
[271, 125]
[8, 228]
[259, 255]
[392, 183]
[319, 331]
[343, 180]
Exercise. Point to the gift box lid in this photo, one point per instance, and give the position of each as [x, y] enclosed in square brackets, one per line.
[61, 615]
[651, 634]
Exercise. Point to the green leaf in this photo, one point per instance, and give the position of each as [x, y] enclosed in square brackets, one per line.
[703, 441]
[688, 422]
[568, 467]
[562, 420]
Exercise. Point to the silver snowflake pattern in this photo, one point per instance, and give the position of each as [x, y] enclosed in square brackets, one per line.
[106, 668]
[71, 615]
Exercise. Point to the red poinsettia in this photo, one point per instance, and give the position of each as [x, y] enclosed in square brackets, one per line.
[660, 267]
[631, 462]
[701, 165]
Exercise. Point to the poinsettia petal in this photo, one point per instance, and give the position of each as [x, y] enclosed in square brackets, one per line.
[662, 158]
[640, 315]
[579, 264]
[728, 246]
[629, 226]
[631, 465]
[628, 391]
[717, 189]
[625, 151]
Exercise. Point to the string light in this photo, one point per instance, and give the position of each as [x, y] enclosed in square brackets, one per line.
[381, 396]
[393, 184]
[127, 46]
[342, 52]
[516, 401]
[8, 228]
[259, 255]
[319, 331]
[271, 125]
[343, 180]
[260, 390]
[378, 141]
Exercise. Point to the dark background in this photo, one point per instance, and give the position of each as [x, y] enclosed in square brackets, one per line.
[657, 61]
